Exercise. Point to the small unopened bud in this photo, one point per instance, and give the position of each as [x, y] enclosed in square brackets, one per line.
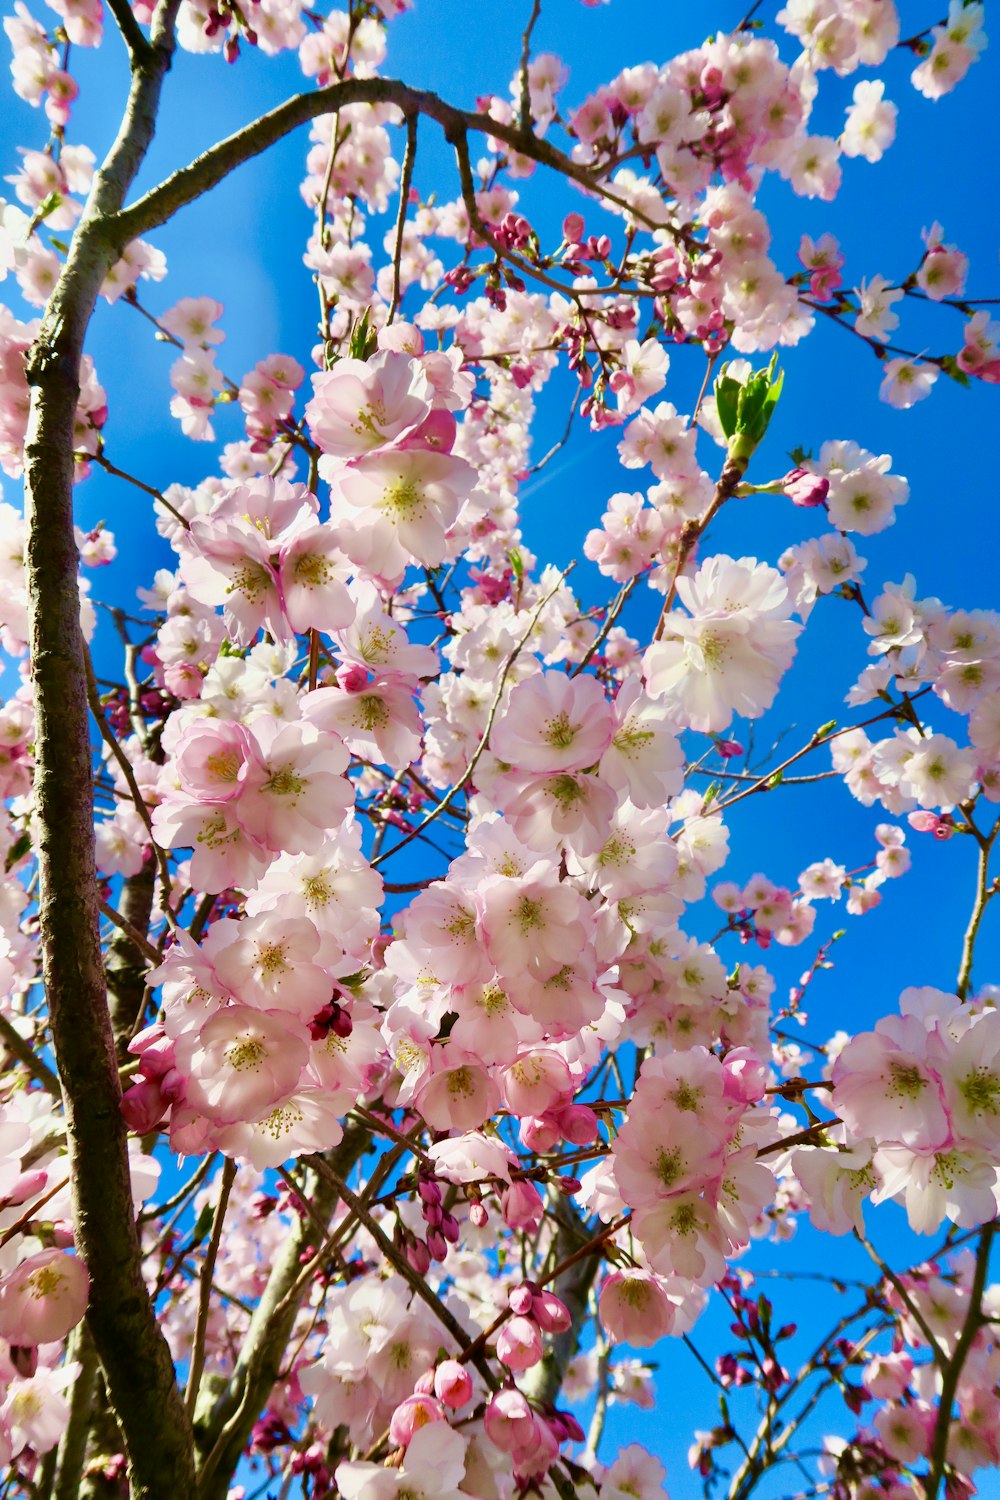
[803, 488]
[452, 1384]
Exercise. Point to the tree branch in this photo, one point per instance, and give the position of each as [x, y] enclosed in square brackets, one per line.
[984, 893]
[139, 48]
[956, 1364]
[205, 1289]
[224, 1418]
[15, 1044]
[206, 171]
[131, 1346]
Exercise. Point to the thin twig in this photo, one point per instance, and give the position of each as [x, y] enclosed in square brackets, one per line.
[406, 181]
[205, 1290]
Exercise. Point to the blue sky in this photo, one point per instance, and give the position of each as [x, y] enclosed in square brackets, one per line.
[244, 247]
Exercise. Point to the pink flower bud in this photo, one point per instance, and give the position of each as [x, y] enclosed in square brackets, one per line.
[522, 1206]
[425, 1384]
[745, 1076]
[419, 1257]
[519, 1344]
[928, 822]
[154, 1049]
[509, 1421]
[520, 1300]
[572, 228]
[451, 1229]
[143, 1106]
[353, 679]
[43, 1298]
[437, 1245]
[550, 1312]
[565, 1428]
[539, 1133]
[412, 1414]
[26, 1186]
[452, 1384]
[478, 1215]
[803, 488]
[578, 1124]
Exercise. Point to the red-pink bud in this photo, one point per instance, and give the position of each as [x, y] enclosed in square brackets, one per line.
[522, 1206]
[519, 1344]
[521, 1299]
[509, 1421]
[539, 1133]
[412, 1414]
[25, 1186]
[419, 1257]
[550, 1312]
[452, 1384]
[353, 679]
[578, 1124]
[437, 1245]
[143, 1106]
[803, 488]
[744, 1076]
[572, 228]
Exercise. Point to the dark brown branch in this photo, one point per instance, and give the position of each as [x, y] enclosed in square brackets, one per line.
[130, 954]
[137, 1363]
[206, 171]
[139, 48]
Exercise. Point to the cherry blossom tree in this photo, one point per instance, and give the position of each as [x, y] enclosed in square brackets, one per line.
[372, 1100]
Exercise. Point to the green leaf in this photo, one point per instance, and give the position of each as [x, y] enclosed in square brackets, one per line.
[17, 850]
[949, 367]
[727, 392]
[363, 337]
[203, 1225]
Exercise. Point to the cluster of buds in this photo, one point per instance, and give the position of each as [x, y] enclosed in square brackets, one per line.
[443, 1229]
[535, 1311]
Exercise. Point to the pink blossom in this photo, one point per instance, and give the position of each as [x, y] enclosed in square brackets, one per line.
[634, 1308]
[536, 1082]
[294, 793]
[361, 406]
[242, 1062]
[43, 1298]
[456, 1092]
[396, 506]
[554, 723]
